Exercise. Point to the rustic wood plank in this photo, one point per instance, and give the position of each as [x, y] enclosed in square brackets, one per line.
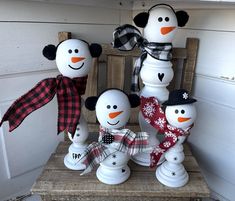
[115, 72]
[109, 50]
[140, 184]
[64, 36]
[56, 163]
[91, 90]
[62, 148]
[190, 64]
[104, 198]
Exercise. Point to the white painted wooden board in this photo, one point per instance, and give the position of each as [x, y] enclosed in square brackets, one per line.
[29, 146]
[23, 11]
[23, 50]
[26, 27]
[213, 137]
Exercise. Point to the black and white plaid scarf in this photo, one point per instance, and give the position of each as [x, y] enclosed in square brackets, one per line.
[126, 37]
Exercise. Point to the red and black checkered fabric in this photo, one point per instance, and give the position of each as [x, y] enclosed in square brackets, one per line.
[68, 92]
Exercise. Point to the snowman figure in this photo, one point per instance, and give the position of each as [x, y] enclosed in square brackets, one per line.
[159, 25]
[74, 60]
[78, 146]
[115, 144]
[180, 114]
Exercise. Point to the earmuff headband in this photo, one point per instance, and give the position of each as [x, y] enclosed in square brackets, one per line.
[161, 4]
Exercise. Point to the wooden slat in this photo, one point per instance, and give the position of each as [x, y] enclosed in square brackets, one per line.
[91, 90]
[190, 64]
[64, 36]
[62, 148]
[109, 50]
[116, 72]
[59, 183]
[140, 184]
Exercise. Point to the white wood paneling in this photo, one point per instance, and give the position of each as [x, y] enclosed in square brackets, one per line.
[213, 137]
[214, 90]
[26, 27]
[216, 51]
[38, 131]
[46, 12]
[23, 50]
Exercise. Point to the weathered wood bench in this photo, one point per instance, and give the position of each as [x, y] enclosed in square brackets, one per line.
[113, 69]
[57, 183]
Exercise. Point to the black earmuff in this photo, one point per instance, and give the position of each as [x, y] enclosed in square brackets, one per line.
[95, 49]
[134, 100]
[90, 102]
[141, 19]
[182, 18]
[49, 52]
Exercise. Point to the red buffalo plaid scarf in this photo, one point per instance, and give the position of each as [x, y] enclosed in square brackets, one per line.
[124, 141]
[155, 116]
[68, 92]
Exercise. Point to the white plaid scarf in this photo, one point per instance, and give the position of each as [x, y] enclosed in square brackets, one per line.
[126, 37]
[125, 141]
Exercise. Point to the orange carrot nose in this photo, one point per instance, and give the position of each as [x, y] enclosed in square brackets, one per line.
[166, 30]
[114, 114]
[183, 119]
[77, 59]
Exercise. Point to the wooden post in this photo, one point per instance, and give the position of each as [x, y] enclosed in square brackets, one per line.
[190, 64]
[64, 36]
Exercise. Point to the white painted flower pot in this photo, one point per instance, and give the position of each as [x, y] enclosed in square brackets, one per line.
[114, 170]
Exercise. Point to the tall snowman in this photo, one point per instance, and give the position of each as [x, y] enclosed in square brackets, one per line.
[159, 25]
[74, 60]
[115, 144]
[179, 117]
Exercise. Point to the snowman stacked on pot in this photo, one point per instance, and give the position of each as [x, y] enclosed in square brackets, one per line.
[154, 65]
[74, 60]
[115, 144]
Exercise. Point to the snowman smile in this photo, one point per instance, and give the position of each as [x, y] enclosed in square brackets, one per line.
[76, 68]
[113, 124]
[183, 119]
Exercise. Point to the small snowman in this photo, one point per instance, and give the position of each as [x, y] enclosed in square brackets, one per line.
[74, 60]
[180, 114]
[159, 25]
[115, 144]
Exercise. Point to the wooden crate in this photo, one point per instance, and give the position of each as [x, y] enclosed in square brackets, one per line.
[57, 183]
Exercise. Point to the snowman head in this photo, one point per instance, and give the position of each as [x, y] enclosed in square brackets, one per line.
[160, 23]
[73, 57]
[113, 107]
[180, 111]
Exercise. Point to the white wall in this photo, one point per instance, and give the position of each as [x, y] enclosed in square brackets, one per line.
[26, 27]
[213, 137]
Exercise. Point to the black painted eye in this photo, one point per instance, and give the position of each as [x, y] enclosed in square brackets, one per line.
[160, 19]
[167, 19]
[70, 51]
[108, 106]
[76, 50]
[114, 107]
[176, 111]
[182, 111]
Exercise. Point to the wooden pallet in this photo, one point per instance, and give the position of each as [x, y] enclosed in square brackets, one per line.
[57, 183]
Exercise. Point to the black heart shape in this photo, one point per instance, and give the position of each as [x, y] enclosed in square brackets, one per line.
[160, 76]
